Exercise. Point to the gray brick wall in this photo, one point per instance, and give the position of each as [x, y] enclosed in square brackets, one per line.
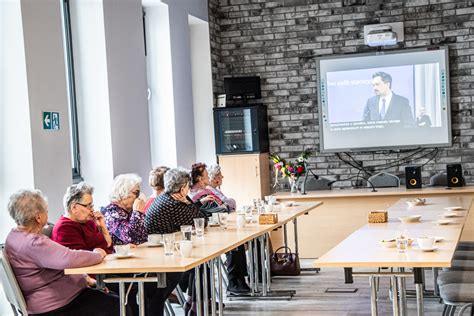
[277, 39]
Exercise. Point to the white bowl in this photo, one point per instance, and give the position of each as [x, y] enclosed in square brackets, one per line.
[416, 202]
[454, 208]
[410, 219]
[450, 214]
[443, 221]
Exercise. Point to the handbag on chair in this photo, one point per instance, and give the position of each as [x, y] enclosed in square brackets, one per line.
[285, 263]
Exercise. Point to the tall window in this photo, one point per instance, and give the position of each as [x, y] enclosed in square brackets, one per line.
[76, 165]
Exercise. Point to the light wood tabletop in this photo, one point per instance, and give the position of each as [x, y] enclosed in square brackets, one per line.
[362, 249]
[216, 241]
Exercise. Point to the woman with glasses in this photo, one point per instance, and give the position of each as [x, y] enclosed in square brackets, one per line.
[125, 215]
[81, 227]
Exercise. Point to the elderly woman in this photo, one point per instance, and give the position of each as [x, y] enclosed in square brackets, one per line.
[236, 259]
[39, 263]
[156, 182]
[125, 215]
[172, 209]
[215, 181]
[199, 189]
[80, 227]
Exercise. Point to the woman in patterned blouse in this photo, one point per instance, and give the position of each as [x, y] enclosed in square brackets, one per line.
[124, 216]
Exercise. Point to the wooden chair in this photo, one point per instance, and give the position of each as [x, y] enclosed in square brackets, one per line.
[10, 286]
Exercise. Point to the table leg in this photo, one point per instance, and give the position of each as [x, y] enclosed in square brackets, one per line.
[213, 288]
[285, 237]
[373, 296]
[251, 267]
[262, 263]
[396, 311]
[141, 298]
[435, 280]
[204, 289]
[219, 280]
[197, 285]
[267, 261]
[418, 273]
[295, 224]
[255, 261]
[403, 296]
[123, 308]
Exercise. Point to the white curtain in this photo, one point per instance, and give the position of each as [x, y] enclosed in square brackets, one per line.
[427, 91]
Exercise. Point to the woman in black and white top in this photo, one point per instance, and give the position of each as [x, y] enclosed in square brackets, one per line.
[173, 207]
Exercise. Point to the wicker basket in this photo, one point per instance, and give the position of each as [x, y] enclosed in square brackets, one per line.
[268, 218]
[377, 217]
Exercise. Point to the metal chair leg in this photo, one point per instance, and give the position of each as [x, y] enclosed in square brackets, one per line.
[168, 308]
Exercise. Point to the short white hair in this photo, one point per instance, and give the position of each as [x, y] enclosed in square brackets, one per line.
[175, 179]
[214, 171]
[123, 185]
[74, 194]
[24, 205]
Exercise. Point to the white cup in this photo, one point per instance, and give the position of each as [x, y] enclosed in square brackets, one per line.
[154, 239]
[184, 247]
[240, 220]
[425, 242]
[122, 250]
[268, 208]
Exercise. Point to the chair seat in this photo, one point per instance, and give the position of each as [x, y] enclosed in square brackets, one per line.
[463, 255]
[455, 277]
[465, 245]
[457, 292]
[462, 265]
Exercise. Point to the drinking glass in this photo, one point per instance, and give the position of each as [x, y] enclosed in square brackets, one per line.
[223, 220]
[402, 243]
[187, 231]
[168, 241]
[248, 214]
[199, 225]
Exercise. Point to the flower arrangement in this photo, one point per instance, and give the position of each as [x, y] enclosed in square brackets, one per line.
[290, 169]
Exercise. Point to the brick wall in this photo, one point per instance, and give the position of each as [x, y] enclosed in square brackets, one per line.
[277, 40]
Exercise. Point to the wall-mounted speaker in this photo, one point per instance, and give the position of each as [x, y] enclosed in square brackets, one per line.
[454, 172]
[413, 177]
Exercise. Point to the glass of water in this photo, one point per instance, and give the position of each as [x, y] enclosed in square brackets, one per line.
[223, 220]
[168, 241]
[402, 243]
[199, 225]
[186, 230]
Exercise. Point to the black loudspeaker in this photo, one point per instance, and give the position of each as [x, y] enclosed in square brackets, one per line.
[413, 177]
[455, 178]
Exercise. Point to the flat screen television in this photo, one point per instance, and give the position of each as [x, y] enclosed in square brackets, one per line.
[242, 88]
[384, 100]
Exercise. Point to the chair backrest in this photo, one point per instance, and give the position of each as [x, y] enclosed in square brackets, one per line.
[10, 286]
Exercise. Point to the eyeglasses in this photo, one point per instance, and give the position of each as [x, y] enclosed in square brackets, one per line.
[89, 206]
[136, 193]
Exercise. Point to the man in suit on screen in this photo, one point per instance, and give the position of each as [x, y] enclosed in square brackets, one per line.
[386, 105]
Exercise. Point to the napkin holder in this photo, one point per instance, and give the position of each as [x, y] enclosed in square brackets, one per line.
[268, 218]
[377, 217]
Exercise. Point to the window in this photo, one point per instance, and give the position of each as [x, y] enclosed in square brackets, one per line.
[76, 166]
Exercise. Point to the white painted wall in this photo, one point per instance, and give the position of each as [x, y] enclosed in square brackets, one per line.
[92, 95]
[126, 70]
[202, 90]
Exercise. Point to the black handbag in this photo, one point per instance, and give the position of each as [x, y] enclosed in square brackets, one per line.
[285, 263]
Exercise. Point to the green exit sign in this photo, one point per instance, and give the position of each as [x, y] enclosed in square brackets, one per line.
[51, 120]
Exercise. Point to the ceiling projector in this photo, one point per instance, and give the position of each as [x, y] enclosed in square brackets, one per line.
[381, 37]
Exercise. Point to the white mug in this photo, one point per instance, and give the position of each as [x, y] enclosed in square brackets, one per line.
[122, 250]
[425, 242]
[185, 248]
[154, 239]
[240, 220]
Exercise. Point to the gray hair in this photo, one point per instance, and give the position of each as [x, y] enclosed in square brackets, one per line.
[74, 194]
[24, 205]
[213, 171]
[122, 186]
[175, 179]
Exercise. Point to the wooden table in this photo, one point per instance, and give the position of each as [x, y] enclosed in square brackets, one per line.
[362, 248]
[344, 211]
[215, 242]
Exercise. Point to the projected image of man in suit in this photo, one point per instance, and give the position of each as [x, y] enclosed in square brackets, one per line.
[386, 105]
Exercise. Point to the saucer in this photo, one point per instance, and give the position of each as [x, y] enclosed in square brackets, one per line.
[454, 208]
[130, 255]
[443, 222]
[153, 245]
[449, 214]
[429, 249]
